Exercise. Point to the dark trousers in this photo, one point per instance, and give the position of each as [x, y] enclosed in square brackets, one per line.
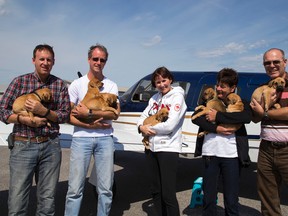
[272, 170]
[163, 171]
[229, 170]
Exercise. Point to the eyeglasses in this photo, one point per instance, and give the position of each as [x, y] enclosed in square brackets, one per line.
[275, 62]
[99, 59]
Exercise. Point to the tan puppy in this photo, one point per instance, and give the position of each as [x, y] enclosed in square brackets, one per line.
[208, 95]
[104, 102]
[233, 102]
[111, 99]
[42, 95]
[212, 102]
[95, 100]
[267, 90]
[160, 116]
[94, 86]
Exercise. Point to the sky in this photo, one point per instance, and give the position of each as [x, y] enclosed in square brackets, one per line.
[183, 35]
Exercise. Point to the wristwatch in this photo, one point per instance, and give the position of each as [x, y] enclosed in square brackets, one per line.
[266, 115]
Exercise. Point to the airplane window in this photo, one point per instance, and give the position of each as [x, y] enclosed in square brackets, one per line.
[184, 85]
[126, 95]
[238, 90]
[144, 91]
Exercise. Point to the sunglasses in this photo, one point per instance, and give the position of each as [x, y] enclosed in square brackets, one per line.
[99, 59]
[275, 62]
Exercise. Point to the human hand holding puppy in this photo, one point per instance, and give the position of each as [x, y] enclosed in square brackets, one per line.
[211, 115]
[36, 107]
[81, 111]
[146, 130]
[258, 106]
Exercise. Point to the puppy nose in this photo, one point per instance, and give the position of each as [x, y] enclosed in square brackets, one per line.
[279, 88]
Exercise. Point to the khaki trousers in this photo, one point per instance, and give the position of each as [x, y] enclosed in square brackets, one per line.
[272, 169]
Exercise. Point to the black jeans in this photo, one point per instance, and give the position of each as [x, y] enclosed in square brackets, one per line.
[229, 169]
[163, 171]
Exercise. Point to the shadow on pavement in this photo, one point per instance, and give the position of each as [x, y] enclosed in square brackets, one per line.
[133, 186]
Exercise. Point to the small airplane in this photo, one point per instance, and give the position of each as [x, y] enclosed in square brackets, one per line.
[135, 99]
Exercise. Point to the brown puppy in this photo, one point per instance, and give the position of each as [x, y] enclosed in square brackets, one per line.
[208, 95]
[267, 90]
[160, 116]
[104, 102]
[233, 102]
[94, 86]
[95, 100]
[212, 102]
[111, 99]
[42, 95]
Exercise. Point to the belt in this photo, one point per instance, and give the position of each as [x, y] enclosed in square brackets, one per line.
[276, 145]
[39, 139]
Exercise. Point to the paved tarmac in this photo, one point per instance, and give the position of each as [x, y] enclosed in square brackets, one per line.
[132, 194]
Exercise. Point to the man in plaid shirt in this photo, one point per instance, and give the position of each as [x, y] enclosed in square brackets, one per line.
[36, 145]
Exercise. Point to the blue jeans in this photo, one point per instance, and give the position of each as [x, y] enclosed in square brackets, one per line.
[27, 159]
[82, 148]
[229, 169]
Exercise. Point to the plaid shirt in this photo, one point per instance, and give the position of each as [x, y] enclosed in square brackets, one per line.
[28, 83]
